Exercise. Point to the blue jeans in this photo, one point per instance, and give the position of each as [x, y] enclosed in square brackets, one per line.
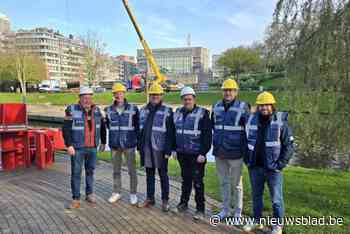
[164, 181]
[88, 156]
[258, 177]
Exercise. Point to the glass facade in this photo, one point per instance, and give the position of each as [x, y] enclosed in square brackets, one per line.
[186, 60]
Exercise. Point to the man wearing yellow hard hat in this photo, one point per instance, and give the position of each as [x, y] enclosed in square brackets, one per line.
[270, 147]
[157, 133]
[229, 116]
[122, 120]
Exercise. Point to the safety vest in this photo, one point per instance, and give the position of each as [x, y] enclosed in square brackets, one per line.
[187, 130]
[122, 133]
[228, 132]
[158, 134]
[272, 140]
[78, 125]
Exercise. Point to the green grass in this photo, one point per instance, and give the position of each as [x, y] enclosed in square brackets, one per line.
[274, 83]
[307, 192]
[203, 98]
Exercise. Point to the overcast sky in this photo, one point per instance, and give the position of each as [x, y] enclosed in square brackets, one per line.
[215, 24]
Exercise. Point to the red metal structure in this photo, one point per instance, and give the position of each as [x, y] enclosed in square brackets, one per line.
[14, 150]
[137, 82]
[21, 146]
[13, 117]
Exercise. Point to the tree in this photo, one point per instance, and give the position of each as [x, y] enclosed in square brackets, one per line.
[94, 56]
[313, 38]
[239, 60]
[23, 67]
[276, 47]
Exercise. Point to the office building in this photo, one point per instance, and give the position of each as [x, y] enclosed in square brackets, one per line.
[177, 61]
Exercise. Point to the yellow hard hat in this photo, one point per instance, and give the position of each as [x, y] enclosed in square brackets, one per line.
[229, 84]
[118, 88]
[265, 98]
[155, 89]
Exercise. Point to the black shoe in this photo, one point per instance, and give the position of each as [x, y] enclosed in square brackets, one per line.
[181, 207]
[199, 215]
[147, 203]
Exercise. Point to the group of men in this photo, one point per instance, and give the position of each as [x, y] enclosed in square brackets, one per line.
[261, 139]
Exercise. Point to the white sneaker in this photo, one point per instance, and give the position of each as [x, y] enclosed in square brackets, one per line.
[133, 199]
[249, 227]
[276, 229]
[115, 197]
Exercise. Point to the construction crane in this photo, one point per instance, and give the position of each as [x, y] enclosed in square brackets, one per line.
[160, 78]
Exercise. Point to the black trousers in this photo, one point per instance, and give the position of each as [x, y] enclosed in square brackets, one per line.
[192, 174]
[164, 181]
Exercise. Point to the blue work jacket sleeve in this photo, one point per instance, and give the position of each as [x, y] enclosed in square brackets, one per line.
[170, 134]
[287, 146]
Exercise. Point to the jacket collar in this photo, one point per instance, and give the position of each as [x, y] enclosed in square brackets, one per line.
[93, 106]
[184, 110]
[152, 107]
[268, 119]
[126, 104]
[227, 104]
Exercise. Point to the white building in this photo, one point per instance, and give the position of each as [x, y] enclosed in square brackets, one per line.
[218, 71]
[63, 56]
[5, 24]
[5, 31]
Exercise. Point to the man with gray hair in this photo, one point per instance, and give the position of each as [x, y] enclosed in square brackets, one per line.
[83, 130]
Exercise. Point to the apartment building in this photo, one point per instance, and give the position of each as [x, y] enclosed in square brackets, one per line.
[63, 56]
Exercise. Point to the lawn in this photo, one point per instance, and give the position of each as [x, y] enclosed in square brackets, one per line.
[274, 83]
[203, 98]
[307, 192]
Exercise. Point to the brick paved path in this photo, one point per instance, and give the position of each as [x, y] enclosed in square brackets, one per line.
[33, 201]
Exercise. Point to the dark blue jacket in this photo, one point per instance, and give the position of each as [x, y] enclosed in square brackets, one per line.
[193, 131]
[276, 149]
[74, 127]
[228, 120]
[123, 128]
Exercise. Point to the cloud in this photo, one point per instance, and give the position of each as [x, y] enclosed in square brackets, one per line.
[249, 24]
[68, 26]
[159, 23]
[162, 29]
[214, 24]
[237, 20]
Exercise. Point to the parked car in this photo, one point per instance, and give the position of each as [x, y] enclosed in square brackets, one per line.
[98, 89]
[172, 85]
[52, 86]
[48, 89]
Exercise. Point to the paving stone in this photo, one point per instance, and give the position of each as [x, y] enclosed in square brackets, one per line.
[34, 201]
